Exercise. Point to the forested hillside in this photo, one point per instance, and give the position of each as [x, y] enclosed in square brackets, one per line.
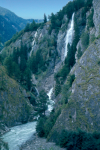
[61, 54]
[10, 23]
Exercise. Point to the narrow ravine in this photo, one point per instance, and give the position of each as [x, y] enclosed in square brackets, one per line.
[18, 135]
[69, 35]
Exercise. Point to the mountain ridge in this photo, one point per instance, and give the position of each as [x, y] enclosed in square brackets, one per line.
[15, 24]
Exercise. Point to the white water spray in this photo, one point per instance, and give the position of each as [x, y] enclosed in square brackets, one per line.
[33, 43]
[69, 35]
[50, 106]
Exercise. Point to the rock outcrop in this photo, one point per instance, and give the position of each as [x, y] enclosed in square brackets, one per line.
[96, 17]
[82, 110]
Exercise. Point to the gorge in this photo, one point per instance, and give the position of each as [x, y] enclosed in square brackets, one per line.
[61, 58]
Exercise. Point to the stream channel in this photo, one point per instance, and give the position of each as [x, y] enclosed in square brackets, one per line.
[18, 135]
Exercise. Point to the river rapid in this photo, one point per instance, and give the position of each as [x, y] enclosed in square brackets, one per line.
[18, 135]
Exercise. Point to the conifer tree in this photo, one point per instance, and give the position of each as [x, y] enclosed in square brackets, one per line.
[42, 102]
[45, 18]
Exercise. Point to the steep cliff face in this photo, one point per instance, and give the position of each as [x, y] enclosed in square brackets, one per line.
[14, 105]
[94, 30]
[83, 108]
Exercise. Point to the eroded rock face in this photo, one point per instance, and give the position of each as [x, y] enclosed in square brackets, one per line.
[96, 17]
[61, 45]
[83, 108]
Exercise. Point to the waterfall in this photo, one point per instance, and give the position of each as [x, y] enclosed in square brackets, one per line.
[50, 93]
[33, 43]
[69, 35]
[32, 47]
[50, 106]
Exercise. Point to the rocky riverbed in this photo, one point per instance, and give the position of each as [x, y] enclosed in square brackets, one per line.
[36, 143]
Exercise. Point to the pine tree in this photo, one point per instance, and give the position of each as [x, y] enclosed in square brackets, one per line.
[8, 65]
[45, 18]
[28, 78]
[42, 102]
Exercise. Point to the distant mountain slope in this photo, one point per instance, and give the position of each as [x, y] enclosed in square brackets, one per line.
[10, 23]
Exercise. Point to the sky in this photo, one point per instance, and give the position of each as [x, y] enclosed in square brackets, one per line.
[33, 9]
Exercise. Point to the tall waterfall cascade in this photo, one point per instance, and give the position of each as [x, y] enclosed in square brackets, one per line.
[69, 35]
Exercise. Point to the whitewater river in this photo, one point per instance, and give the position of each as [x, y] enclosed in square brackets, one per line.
[20, 134]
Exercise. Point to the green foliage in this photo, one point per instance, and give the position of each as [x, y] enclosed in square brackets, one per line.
[71, 79]
[2, 80]
[32, 99]
[92, 38]
[8, 64]
[70, 59]
[42, 103]
[51, 121]
[45, 18]
[85, 39]
[17, 67]
[79, 53]
[29, 27]
[78, 4]
[27, 78]
[40, 59]
[40, 126]
[1, 59]
[44, 125]
[89, 4]
[32, 63]
[90, 19]
[65, 89]
[14, 38]
[57, 89]
[98, 62]
[32, 27]
[61, 76]
[78, 140]
[69, 9]
[12, 68]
